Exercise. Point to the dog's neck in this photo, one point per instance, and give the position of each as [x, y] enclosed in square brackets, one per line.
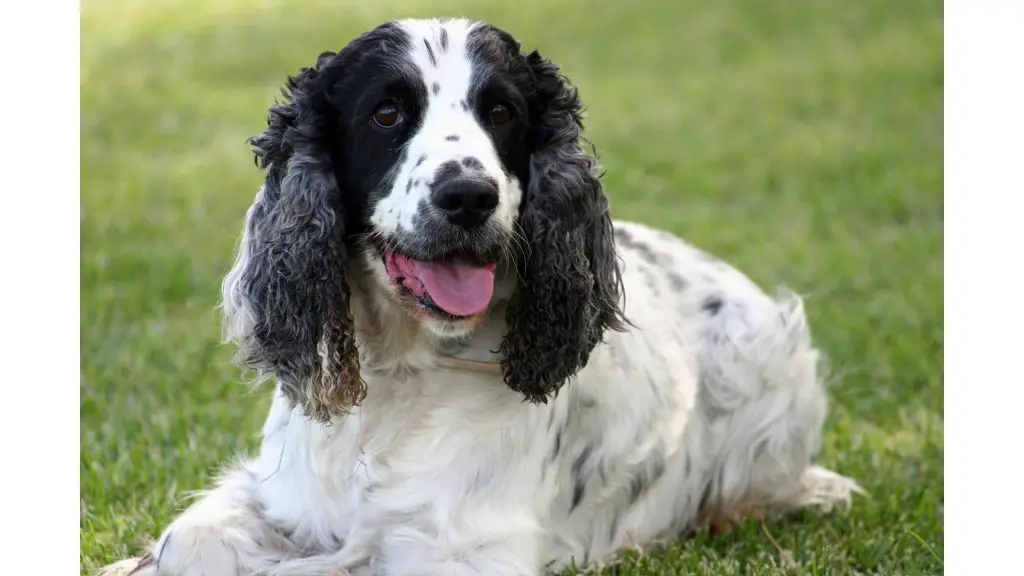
[480, 352]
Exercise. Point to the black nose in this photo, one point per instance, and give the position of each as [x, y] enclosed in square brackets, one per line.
[467, 202]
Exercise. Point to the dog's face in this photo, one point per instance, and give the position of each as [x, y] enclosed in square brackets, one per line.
[428, 156]
[440, 112]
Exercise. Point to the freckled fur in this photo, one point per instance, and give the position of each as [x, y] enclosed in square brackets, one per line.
[625, 413]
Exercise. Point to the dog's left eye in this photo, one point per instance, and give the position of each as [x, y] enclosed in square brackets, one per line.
[387, 115]
[500, 115]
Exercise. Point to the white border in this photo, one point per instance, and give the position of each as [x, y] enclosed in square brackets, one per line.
[984, 250]
[39, 286]
[39, 242]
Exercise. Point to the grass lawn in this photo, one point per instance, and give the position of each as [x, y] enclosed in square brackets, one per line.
[800, 141]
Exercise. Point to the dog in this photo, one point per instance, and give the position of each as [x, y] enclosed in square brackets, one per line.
[478, 371]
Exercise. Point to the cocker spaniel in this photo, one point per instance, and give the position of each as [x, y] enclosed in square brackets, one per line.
[478, 370]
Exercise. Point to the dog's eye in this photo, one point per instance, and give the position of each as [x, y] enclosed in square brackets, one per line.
[500, 115]
[387, 115]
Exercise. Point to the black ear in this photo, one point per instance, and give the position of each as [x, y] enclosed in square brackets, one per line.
[286, 301]
[569, 282]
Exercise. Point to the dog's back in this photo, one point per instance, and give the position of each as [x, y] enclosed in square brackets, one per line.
[709, 405]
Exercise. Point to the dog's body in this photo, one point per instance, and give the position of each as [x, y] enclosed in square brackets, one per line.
[690, 392]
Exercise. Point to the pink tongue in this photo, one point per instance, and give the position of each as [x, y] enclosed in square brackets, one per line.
[457, 288]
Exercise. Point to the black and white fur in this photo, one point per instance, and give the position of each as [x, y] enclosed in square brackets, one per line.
[644, 386]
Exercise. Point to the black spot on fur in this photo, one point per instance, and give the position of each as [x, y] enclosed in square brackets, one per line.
[687, 531]
[452, 137]
[408, 187]
[621, 358]
[677, 282]
[465, 107]
[655, 390]
[430, 53]
[435, 88]
[482, 480]
[556, 448]
[712, 305]
[580, 460]
[651, 279]
[641, 480]
[613, 528]
[472, 163]
[444, 40]
[705, 499]
[627, 240]
[759, 450]
[579, 480]
[421, 160]
[577, 492]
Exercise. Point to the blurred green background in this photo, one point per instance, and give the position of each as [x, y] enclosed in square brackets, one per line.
[801, 141]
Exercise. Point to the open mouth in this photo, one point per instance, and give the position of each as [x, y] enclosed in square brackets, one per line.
[454, 288]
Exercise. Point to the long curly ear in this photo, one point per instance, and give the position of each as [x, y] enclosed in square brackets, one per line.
[286, 301]
[570, 282]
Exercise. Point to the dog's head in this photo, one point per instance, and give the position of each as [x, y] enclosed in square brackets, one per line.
[428, 156]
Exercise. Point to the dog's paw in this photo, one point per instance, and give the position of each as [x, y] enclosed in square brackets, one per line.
[143, 566]
[825, 489]
[192, 549]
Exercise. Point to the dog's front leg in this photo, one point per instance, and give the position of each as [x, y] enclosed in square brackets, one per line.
[474, 544]
[221, 534]
[501, 545]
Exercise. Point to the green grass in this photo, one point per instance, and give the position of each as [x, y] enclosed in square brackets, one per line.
[800, 141]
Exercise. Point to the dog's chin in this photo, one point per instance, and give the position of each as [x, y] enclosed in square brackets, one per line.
[432, 318]
[450, 328]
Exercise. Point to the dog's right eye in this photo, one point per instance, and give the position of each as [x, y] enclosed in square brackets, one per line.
[500, 115]
[387, 115]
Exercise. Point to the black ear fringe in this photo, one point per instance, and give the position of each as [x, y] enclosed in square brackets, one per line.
[570, 283]
[295, 281]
